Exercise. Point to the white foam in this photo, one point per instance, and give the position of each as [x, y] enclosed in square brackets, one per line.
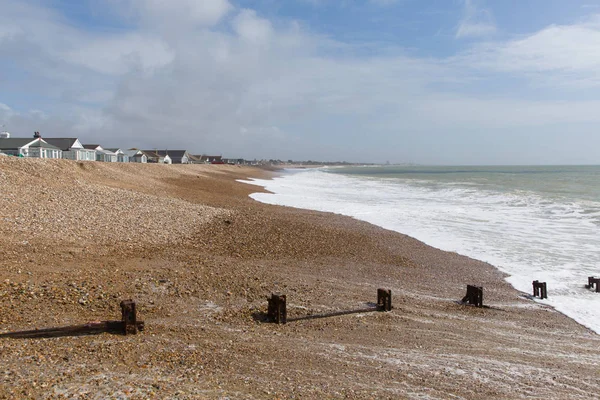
[524, 234]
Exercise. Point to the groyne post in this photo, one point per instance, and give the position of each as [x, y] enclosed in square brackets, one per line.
[128, 324]
[277, 311]
[540, 289]
[384, 299]
[593, 281]
[474, 296]
[544, 291]
[129, 317]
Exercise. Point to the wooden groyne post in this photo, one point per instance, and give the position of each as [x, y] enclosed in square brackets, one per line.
[277, 311]
[129, 318]
[277, 308]
[384, 299]
[127, 325]
[474, 296]
[540, 290]
[593, 281]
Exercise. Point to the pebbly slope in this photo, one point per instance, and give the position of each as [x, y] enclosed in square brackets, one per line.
[200, 258]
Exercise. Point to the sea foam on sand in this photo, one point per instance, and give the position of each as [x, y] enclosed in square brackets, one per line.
[525, 235]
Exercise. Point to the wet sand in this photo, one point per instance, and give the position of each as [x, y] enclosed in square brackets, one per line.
[200, 258]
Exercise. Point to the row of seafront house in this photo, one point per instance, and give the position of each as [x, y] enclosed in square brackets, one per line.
[73, 149]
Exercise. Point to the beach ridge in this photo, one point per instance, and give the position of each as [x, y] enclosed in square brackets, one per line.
[200, 258]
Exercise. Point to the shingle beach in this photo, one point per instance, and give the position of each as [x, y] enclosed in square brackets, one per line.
[199, 258]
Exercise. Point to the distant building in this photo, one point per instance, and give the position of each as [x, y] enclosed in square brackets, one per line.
[136, 156]
[72, 149]
[176, 156]
[121, 156]
[102, 154]
[234, 161]
[194, 159]
[211, 159]
[155, 157]
[24, 147]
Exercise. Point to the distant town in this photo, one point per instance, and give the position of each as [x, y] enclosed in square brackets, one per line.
[73, 149]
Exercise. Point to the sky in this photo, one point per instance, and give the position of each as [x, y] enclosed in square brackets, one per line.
[404, 81]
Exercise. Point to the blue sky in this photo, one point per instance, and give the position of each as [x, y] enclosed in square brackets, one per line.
[431, 82]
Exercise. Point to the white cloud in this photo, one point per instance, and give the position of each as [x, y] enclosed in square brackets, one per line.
[563, 55]
[177, 12]
[252, 88]
[485, 113]
[4, 108]
[120, 54]
[252, 28]
[476, 21]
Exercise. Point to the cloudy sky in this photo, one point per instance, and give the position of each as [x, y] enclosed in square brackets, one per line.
[424, 81]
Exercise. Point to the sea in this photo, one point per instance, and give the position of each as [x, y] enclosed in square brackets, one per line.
[531, 222]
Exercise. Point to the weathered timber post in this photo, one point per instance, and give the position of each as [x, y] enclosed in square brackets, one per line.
[593, 281]
[384, 299]
[277, 311]
[128, 317]
[128, 324]
[540, 289]
[474, 296]
[544, 291]
[590, 283]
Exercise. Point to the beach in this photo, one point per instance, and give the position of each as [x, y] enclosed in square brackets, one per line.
[200, 258]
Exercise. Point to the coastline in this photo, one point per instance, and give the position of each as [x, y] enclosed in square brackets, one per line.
[584, 320]
[199, 285]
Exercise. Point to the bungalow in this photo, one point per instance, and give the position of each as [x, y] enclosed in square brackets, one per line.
[101, 154]
[155, 157]
[121, 156]
[72, 149]
[211, 159]
[137, 156]
[24, 147]
[194, 159]
[176, 156]
[234, 161]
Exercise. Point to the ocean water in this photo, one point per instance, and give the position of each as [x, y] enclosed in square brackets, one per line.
[531, 222]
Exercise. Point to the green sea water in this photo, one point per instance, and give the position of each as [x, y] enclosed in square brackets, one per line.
[532, 222]
[576, 182]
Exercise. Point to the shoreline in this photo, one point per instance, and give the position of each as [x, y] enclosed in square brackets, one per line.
[507, 274]
[201, 288]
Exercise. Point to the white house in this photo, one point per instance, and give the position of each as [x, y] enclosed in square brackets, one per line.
[101, 154]
[176, 156]
[23, 147]
[72, 149]
[121, 155]
[155, 157]
[137, 156]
